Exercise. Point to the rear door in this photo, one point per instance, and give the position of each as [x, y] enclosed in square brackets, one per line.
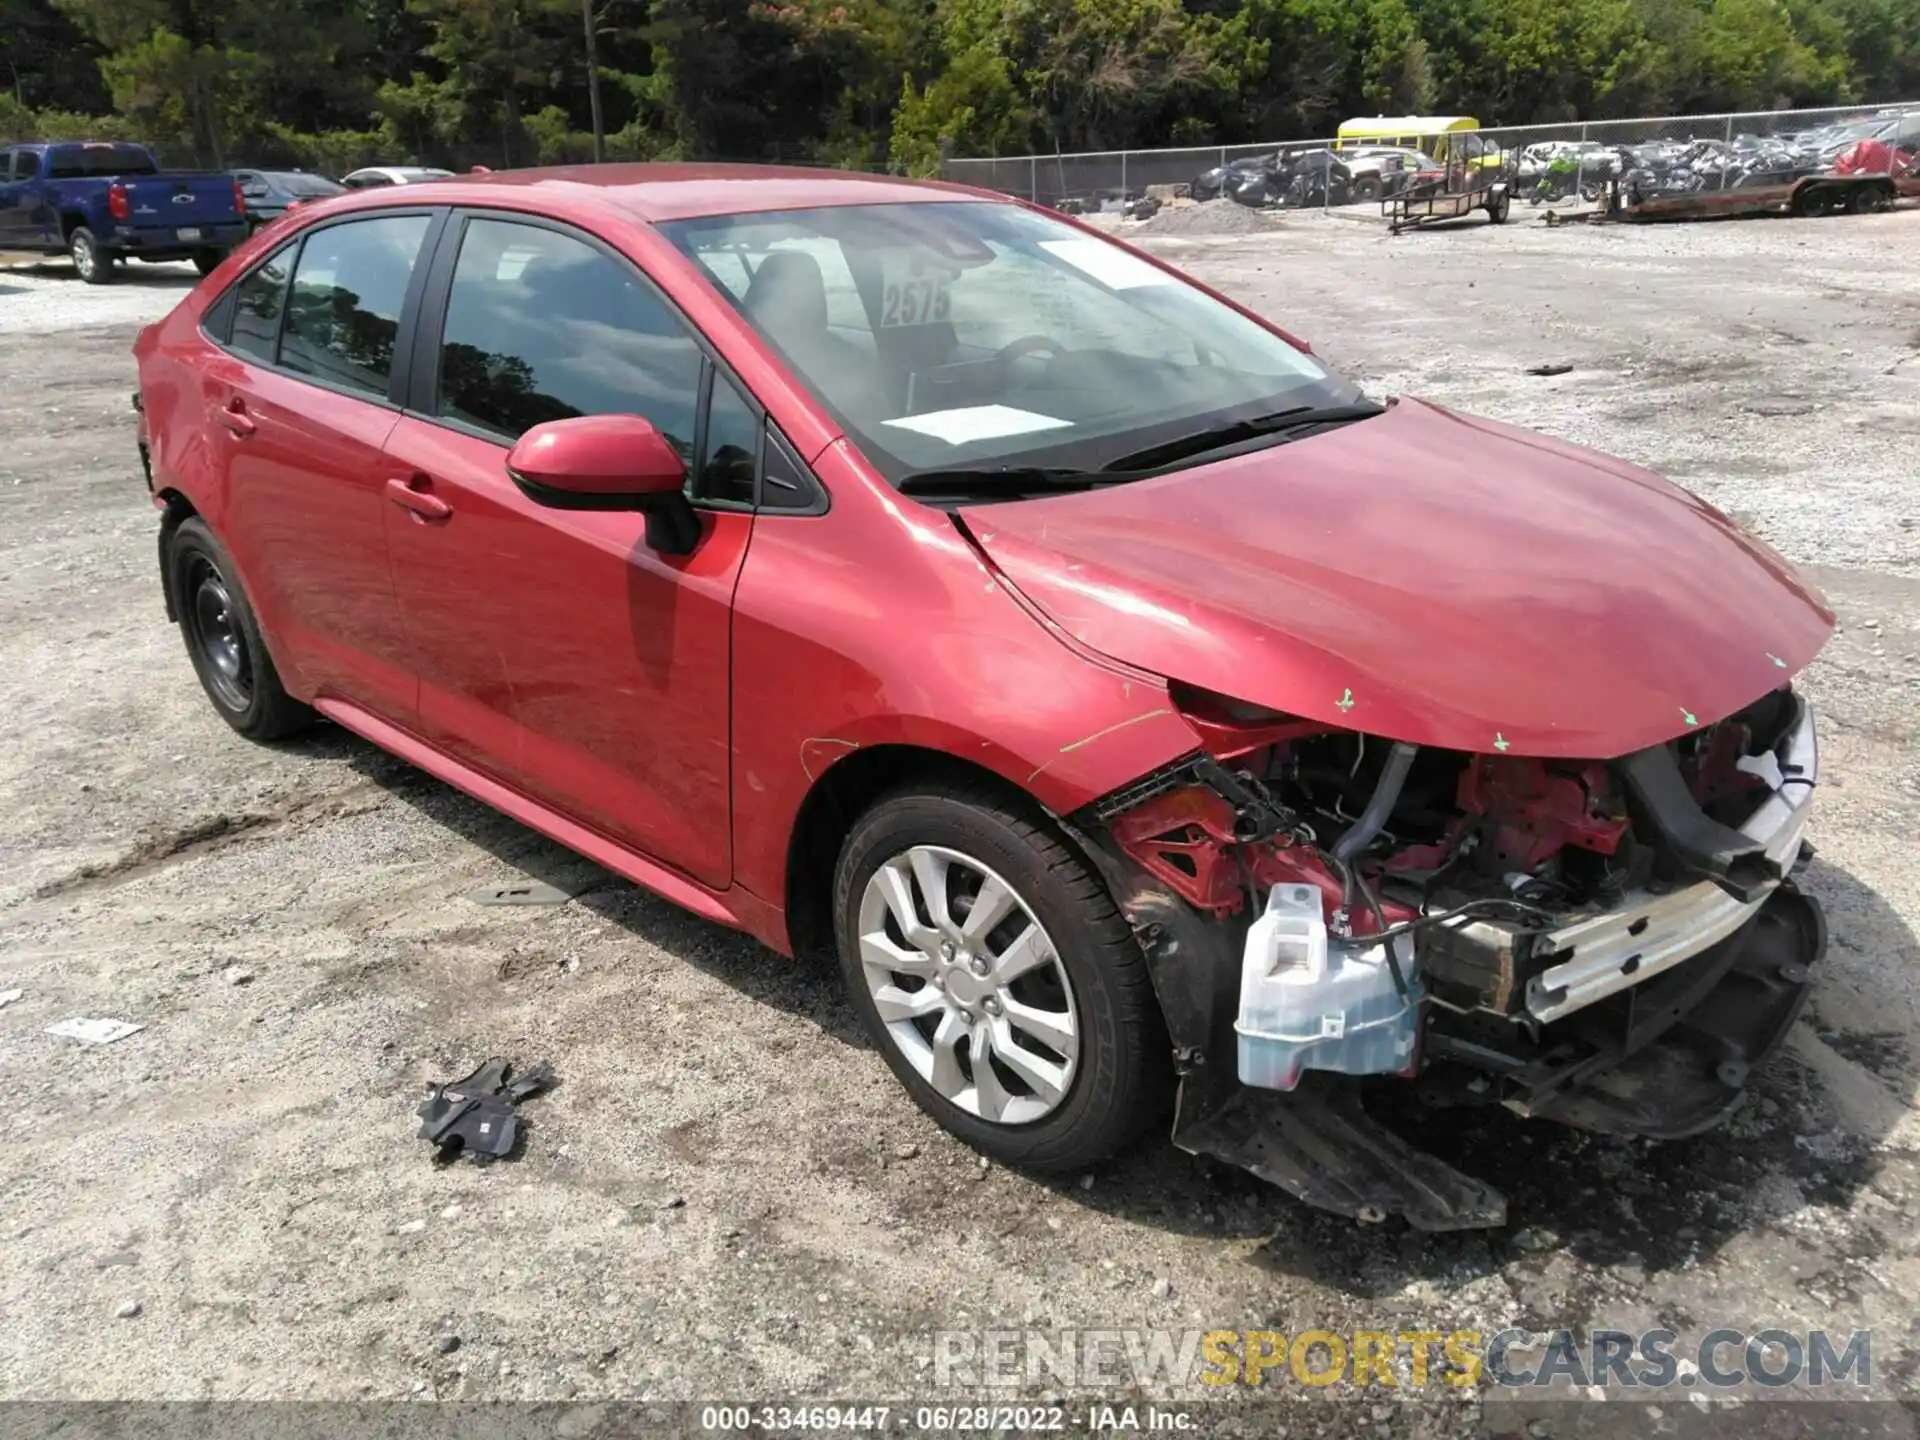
[556, 651]
[300, 404]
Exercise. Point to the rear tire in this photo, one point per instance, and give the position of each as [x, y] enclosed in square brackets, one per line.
[1118, 1069]
[1497, 208]
[208, 261]
[1366, 189]
[223, 637]
[92, 262]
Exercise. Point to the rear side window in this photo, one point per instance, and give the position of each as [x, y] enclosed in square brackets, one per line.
[542, 326]
[258, 302]
[349, 287]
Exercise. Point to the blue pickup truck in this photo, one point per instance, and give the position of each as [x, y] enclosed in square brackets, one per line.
[104, 201]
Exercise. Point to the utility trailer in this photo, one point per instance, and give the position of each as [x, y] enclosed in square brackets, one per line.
[1807, 195]
[1449, 199]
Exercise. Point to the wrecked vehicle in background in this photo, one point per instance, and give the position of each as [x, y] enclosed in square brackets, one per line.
[1252, 180]
[1120, 695]
[1299, 179]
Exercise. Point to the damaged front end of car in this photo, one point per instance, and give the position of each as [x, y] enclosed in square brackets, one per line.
[1613, 944]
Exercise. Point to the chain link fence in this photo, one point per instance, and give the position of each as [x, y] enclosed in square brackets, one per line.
[1559, 166]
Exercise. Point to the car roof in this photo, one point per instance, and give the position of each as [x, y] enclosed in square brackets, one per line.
[680, 192]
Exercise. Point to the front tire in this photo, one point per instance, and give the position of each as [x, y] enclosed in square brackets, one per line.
[993, 971]
[92, 262]
[223, 637]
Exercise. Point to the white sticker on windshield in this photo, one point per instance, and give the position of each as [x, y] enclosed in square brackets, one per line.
[978, 422]
[1110, 265]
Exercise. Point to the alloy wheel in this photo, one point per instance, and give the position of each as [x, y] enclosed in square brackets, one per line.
[969, 985]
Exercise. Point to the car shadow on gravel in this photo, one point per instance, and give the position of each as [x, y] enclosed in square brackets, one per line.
[1625, 1204]
[164, 276]
[802, 988]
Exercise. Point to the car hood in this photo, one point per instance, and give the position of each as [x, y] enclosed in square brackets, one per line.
[1424, 576]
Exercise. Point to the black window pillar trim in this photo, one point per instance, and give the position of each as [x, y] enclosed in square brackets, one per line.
[400, 374]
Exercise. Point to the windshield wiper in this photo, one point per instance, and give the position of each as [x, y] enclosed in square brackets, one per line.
[1002, 480]
[1235, 432]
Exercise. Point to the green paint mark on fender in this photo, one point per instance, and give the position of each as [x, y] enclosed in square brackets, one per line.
[1345, 702]
[1688, 716]
[1501, 743]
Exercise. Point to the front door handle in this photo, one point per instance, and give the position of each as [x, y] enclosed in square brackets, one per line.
[412, 494]
[236, 419]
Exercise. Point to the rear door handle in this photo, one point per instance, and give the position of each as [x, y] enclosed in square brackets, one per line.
[236, 419]
[412, 494]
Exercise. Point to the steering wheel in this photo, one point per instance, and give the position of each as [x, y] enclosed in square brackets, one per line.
[1026, 345]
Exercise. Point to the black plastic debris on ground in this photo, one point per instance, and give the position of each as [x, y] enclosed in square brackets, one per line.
[525, 892]
[1549, 369]
[476, 1115]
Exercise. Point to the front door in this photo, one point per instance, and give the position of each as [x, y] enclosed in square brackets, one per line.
[299, 406]
[555, 650]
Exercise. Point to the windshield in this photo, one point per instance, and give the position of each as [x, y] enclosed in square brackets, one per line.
[949, 335]
[74, 162]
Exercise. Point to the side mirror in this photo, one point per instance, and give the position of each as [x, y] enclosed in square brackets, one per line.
[609, 462]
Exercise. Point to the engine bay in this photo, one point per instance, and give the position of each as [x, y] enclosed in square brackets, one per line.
[1481, 858]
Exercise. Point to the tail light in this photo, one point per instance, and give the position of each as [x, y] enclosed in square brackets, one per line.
[117, 205]
[239, 200]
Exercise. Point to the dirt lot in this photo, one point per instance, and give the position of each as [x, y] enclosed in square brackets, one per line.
[728, 1195]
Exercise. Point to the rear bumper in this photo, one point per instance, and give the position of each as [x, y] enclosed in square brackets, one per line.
[157, 243]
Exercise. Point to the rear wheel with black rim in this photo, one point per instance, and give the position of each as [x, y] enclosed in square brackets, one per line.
[991, 968]
[223, 638]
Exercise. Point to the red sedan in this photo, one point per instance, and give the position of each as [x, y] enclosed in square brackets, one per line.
[903, 571]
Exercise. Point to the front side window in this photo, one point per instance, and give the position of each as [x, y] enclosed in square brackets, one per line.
[349, 288]
[730, 458]
[543, 326]
[952, 334]
[26, 165]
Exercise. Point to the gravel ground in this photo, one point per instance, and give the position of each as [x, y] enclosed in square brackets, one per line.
[727, 1195]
